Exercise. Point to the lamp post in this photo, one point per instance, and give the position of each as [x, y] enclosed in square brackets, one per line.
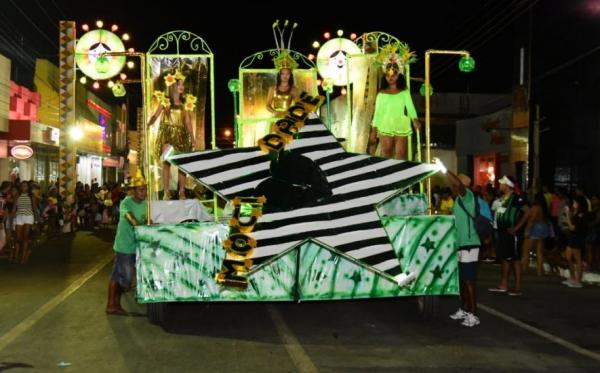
[466, 64]
[234, 87]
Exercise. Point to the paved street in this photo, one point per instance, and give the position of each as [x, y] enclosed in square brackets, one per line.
[53, 314]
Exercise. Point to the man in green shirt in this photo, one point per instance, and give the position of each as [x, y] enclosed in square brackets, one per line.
[468, 243]
[133, 211]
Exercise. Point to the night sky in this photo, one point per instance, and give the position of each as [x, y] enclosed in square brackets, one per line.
[236, 31]
[491, 30]
[563, 34]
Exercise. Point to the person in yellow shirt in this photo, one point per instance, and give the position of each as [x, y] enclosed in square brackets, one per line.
[446, 203]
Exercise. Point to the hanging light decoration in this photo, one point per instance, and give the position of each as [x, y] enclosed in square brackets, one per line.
[118, 89]
[466, 64]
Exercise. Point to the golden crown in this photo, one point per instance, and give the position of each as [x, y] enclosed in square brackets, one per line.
[284, 60]
[394, 56]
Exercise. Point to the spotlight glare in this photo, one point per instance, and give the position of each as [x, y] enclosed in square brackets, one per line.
[76, 133]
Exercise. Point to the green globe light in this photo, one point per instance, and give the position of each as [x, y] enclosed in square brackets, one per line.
[422, 90]
[233, 85]
[466, 64]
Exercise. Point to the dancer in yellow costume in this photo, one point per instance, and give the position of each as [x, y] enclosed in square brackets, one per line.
[175, 127]
[281, 97]
[284, 94]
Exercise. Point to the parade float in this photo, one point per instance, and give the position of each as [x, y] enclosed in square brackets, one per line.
[309, 216]
[310, 219]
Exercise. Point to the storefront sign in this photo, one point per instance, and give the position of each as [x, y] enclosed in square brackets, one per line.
[99, 108]
[21, 151]
[91, 141]
[54, 135]
[110, 162]
[43, 134]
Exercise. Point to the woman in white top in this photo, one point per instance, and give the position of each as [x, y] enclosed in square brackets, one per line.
[24, 207]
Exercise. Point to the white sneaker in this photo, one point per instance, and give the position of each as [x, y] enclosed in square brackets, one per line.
[567, 282]
[459, 315]
[470, 320]
[575, 285]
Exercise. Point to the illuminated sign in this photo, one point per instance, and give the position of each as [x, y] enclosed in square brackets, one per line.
[333, 64]
[91, 136]
[91, 58]
[21, 151]
[43, 134]
[99, 108]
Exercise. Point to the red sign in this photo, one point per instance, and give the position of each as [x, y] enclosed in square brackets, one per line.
[99, 108]
[21, 151]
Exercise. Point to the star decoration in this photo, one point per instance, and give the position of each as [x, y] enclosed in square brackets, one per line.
[345, 221]
[356, 277]
[155, 247]
[437, 272]
[428, 245]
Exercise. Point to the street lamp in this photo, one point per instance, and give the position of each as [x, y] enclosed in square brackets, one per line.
[466, 64]
[234, 87]
[76, 133]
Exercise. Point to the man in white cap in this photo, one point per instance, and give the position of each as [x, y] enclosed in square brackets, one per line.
[468, 243]
[133, 211]
[511, 216]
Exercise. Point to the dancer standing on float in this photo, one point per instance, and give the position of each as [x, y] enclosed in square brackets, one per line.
[281, 97]
[395, 115]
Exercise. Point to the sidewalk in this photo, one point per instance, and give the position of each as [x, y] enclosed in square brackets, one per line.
[592, 278]
[39, 241]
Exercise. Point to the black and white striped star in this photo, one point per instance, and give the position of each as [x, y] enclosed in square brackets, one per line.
[347, 221]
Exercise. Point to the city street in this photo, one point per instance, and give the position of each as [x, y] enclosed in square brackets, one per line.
[53, 320]
[253, 157]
